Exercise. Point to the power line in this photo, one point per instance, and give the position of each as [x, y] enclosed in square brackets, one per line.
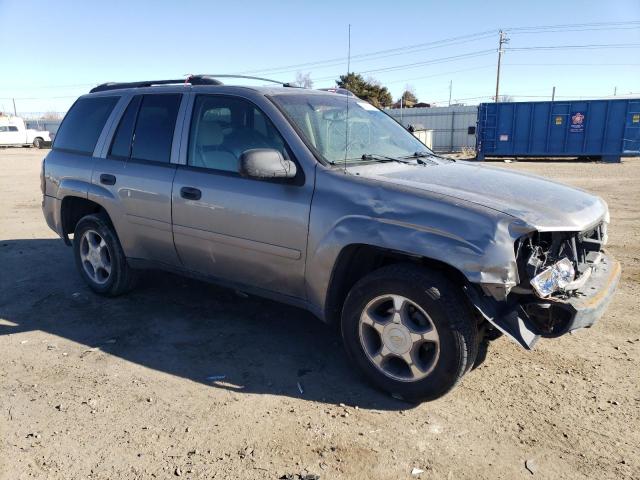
[576, 47]
[407, 49]
[456, 41]
[418, 47]
[39, 98]
[39, 87]
[573, 64]
[573, 97]
[592, 29]
[576, 25]
[440, 74]
[451, 58]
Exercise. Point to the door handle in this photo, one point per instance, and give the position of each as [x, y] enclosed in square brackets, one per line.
[107, 179]
[190, 193]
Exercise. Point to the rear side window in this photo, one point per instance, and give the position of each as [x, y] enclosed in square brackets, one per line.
[83, 124]
[121, 146]
[154, 127]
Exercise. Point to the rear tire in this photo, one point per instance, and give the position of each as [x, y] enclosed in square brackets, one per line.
[38, 142]
[100, 258]
[410, 331]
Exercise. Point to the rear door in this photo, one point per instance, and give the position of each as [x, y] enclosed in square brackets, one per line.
[134, 177]
[245, 231]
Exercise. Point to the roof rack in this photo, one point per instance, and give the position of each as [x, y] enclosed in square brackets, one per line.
[193, 80]
[207, 79]
[262, 79]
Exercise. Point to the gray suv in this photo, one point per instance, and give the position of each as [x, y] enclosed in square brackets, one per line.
[321, 200]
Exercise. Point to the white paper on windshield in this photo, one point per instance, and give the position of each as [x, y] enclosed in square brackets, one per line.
[366, 106]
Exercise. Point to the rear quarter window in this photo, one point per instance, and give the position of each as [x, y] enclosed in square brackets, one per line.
[83, 124]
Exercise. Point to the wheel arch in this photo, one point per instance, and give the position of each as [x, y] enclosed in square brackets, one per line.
[359, 259]
[73, 208]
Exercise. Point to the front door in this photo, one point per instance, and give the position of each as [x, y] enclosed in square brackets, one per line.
[245, 231]
[136, 177]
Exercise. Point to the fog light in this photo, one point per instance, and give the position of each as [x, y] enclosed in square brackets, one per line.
[554, 278]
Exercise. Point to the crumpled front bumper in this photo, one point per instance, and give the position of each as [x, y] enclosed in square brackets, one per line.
[519, 318]
[593, 298]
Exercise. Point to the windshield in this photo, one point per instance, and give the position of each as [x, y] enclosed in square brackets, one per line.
[342, 127]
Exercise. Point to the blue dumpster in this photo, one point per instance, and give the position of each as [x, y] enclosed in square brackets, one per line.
[604, 129]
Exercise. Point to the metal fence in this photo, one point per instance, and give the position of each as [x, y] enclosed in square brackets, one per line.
[38, 124]
[454, 128]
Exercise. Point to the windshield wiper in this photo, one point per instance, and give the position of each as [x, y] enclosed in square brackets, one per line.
[429, 154]
[375, 156]
[419, 155]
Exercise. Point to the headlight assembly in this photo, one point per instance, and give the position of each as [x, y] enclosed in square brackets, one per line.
[554, 278]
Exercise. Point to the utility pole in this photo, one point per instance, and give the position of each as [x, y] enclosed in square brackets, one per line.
[14, 107]
[615, 91]
[450, 88]
[503, 39]
[553, 94]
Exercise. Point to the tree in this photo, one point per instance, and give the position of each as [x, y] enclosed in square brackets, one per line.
[370, 90]
[505, 98]
[304, 80]
[408, 98]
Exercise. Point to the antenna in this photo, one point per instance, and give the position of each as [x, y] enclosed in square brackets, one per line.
[349, 52]
[346, 129]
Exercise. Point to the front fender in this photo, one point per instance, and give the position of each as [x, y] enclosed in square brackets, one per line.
[476, 241]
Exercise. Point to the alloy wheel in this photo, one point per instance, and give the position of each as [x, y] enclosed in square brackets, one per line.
[399, 338]
[95, 257]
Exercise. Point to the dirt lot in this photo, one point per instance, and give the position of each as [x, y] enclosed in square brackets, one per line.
[121, 388]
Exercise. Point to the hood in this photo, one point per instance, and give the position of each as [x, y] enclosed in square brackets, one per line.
[542, 203]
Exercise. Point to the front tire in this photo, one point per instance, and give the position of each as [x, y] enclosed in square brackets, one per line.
[99, 257]
[410, 331]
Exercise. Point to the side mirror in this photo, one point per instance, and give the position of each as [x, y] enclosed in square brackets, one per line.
[266, 163]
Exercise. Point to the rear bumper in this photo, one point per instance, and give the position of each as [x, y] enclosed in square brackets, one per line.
[593, 298]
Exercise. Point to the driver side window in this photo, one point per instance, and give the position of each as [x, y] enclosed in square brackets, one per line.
[222, 128]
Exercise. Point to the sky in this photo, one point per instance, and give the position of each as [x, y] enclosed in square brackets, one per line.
[54, 51]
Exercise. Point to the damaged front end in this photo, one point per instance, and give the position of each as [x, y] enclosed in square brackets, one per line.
[566, 282]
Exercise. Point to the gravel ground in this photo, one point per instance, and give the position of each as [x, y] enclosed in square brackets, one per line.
[130, 388]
